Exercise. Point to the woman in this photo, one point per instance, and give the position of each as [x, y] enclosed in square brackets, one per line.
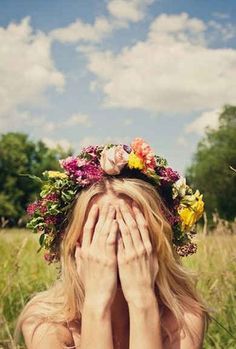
[122, 284]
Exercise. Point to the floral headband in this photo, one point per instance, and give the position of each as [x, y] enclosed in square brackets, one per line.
[50, 213]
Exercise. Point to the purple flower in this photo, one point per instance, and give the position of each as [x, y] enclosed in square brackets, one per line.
[70, 164]
[92, 150]
[90, 173]
[168, 175]
[171, 217]
[127, 148]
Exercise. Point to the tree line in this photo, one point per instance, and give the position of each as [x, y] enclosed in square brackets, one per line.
[212, 171]
[19, 154]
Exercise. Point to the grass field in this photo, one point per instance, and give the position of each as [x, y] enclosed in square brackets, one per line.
[24, 272]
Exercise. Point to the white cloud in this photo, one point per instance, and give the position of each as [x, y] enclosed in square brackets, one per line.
[26, 67]
[51, 143]
[128, 10]
[173, 70]
[26, 121]
[121, 13]
[80, 31]
[207, 118]
[77, 119]
[220, 15]
[225, 31]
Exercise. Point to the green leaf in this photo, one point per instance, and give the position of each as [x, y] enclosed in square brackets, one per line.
[41, 239]
[37, 179]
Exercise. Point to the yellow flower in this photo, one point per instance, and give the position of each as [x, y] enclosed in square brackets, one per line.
[56, 174]
[190, 215]
[135, 162]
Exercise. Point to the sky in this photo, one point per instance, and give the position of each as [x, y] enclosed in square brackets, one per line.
[87, 72]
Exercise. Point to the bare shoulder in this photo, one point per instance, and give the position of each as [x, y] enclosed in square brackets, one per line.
[40, 334]
[195, 323]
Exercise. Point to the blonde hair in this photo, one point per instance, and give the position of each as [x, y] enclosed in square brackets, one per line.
[175, 284]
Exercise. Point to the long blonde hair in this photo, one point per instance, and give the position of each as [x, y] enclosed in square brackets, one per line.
[175, 284]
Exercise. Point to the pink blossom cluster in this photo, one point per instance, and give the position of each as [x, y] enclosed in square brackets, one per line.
[40, 204]
[92, 151]
[51, 220]
[82, 171]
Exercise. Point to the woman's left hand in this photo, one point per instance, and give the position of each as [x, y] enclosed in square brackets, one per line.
[137, 262]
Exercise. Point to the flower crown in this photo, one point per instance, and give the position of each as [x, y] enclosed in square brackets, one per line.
[50, 213]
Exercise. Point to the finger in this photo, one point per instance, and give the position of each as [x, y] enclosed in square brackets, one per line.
[132, 226]
[120, 251]
[105, 229]
[89, 226]
[111, 240]
[101, 221]
[143, 227]
[127, 240]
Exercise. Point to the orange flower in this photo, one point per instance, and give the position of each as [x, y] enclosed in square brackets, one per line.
[143, 150]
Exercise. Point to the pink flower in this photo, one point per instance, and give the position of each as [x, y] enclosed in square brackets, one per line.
[92, 151]
[114, 159]
[144, 151]
[188, 249]
[88, 174]
[31, 208]
[70, 164]
[50, 220]
[49, 256]
[51, 197]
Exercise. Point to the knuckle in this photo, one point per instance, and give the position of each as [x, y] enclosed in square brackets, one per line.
[149, 248]
[141, 251]
[144, 225]
[131, 256]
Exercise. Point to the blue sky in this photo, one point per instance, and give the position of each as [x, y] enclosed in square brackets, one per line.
[91, 72]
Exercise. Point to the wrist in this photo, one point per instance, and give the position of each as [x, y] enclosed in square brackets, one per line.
[143, 302]
[96, 309]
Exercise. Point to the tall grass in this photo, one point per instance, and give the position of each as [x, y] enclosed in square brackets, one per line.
[23, 272]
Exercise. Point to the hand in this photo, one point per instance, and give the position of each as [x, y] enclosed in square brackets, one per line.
[96, 260]
[137, 263]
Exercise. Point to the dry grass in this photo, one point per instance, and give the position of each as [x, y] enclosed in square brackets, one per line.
[23, 272]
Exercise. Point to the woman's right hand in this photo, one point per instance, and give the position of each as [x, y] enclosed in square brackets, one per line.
[96, 258]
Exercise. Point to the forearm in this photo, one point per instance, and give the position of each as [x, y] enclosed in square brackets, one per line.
[96, 330]
[145, 330]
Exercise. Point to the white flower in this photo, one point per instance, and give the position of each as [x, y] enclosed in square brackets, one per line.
[179, 188]
[114, 159]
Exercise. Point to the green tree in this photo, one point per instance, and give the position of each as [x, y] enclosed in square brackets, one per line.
[18, 155]
[210, 170]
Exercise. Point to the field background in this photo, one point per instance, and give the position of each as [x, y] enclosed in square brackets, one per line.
[24, 272]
